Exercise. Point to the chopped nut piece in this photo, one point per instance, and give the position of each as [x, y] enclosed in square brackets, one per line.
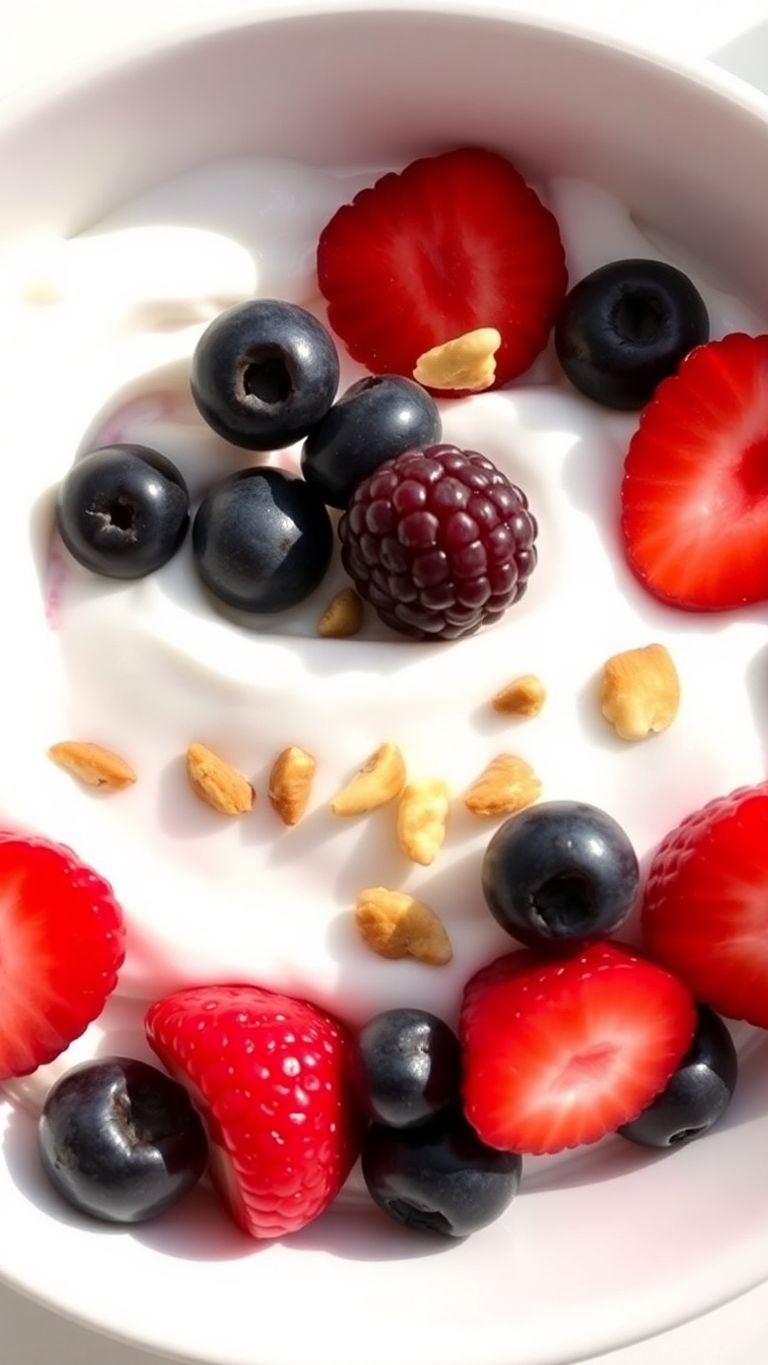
[523, 697]
[93, 765]
[218, 783]
[421, 818]
[640, 692]
[507, 785]
[395, 925]
[342, 617]
[381, 779]
[290, 784]
[466, 362]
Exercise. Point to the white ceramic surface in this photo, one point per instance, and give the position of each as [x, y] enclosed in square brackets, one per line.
[651, 1228]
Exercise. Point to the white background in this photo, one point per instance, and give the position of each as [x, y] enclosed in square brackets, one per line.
[45, 37]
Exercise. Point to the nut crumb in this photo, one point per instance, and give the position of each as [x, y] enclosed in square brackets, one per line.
[93, 765]
[465, 362]
[640, 692]
[380, 780]
[508, 784]
[342, 617]
[290, 784]
[217, 783]
[421, 819]
[396, 925]
[525, 696]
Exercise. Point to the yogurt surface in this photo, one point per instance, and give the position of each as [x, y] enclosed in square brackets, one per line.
[102, 331]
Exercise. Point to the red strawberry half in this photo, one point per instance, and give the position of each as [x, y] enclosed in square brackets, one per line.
[705, 912]
[451, 244]
[695, 493]
[61, 945]
[559, 1052]
[269, 1076]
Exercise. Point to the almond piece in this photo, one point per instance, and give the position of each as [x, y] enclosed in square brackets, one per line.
[342, 617]
[508, 784]
[217, 783]
[524, 696]
[640, 692]
[93, 765]
[421, 819]
[380, 780]
[397, 925]
[290, 783]
[465, 362]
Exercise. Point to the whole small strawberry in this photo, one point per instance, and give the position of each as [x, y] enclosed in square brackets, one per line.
[62, 943]
[705, 912]
[269, 1077]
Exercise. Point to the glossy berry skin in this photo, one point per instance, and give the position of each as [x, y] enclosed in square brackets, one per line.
[439, 542]
[407, 1067]
[560, 874]
[120, 1140]
[123, 511]
[377, 419]
[262, 540]
[705, 906]
[439, 1177]
[270, 1077]
[626, 327]
[697, 1095]
[62, 943]
[263, 373]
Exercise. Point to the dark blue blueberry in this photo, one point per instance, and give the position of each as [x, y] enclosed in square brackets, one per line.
[262, 540]
[698, 1093]
[264, 373]
[377, 419]
[626, 327]
[560, 873]
[439, 1177]
[407, 1066]
[123, 511]
[120, 1140]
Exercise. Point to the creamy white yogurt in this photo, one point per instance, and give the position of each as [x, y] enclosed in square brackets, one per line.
[104, 326]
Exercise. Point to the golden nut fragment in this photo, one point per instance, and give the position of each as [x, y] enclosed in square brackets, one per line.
[466, 362]
[342, 617]
[397, 925]
[217, 783]
[523, 697]
[640, 692]
[421, 819]
[380, 780]
[290, 784]
[507, 785]
[93, 765]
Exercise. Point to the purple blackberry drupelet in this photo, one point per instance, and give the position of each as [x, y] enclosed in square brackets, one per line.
[439, 542]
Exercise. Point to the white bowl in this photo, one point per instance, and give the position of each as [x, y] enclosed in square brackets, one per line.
[602, 1247]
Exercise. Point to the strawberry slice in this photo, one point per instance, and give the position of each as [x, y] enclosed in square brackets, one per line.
[559, 1052]
[695, 492]
[452, 244]
[61, 945]
[705, 911]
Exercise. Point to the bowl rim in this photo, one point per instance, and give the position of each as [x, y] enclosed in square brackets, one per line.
[34, 97]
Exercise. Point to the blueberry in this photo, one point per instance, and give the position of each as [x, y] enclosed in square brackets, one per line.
[626, 327]
[377, 419]
[560, 873]
[407, 1066]
[120, 1140]
[698, 1093]
[439, 1177]
[123, 511]
[264, 373]
[262, 540]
